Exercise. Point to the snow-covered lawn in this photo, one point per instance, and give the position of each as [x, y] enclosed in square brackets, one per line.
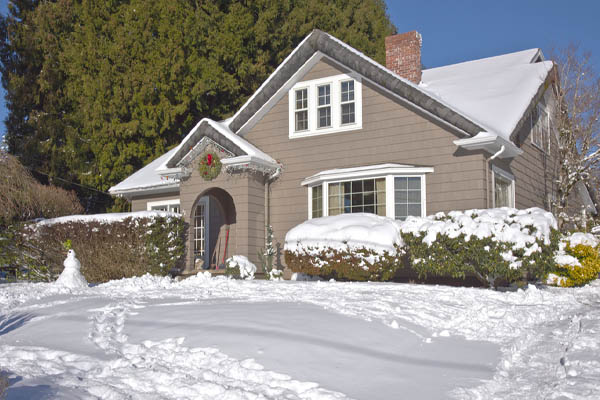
[213, 338]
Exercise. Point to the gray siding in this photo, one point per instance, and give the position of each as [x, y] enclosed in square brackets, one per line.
[141, 203]
[391, 133]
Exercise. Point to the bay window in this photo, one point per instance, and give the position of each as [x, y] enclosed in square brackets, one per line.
[391, 190]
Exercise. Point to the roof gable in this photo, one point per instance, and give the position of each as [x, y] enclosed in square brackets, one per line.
[319, 43]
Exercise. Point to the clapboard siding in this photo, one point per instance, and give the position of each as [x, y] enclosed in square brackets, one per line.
[391, 133]
[141, 203]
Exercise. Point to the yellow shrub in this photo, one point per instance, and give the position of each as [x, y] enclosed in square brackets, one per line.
[588, 257]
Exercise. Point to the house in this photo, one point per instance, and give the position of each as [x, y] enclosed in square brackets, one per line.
[331, 131]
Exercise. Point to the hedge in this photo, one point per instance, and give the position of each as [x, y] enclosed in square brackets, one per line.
[107, 250]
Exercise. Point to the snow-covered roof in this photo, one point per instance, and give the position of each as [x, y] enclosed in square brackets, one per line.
[147, 178]
[494, 92]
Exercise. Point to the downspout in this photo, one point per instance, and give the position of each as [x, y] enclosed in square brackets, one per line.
[487, 174]
[270, 179]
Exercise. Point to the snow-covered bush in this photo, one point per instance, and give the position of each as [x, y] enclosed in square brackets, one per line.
[345, 247]
[495, 245]
[109, 246]
[240, 267]
[577, 261]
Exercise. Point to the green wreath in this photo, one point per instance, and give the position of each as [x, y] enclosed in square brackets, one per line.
[209, 165]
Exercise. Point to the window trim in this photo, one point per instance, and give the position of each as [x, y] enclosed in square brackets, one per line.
[347, 102]
[307, 109]
[505, 175]
[335, 104]
[387, 171]
[325, 106]
[167, 203]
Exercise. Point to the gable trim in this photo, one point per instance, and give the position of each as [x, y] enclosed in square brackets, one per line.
[358, 62]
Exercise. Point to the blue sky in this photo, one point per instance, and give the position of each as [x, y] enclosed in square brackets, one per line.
[461, 30]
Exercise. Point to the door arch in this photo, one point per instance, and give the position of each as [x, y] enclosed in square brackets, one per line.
[212, 216]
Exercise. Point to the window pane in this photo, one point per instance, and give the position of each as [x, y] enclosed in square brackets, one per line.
[401, 196]
[380, 184]
[324, 117]
[407, 196]
[347, 91]
[381, 209]
[401, 210]
[317, 201]
[414, 196]
[357, 186]
[369, 185]
[369, 198]
[324, 95]
[301, 120]
[414, 183]
[357, 209]
[357, 199]
[301, 99]
[347, 187]
[369, 209]
[401, 183]
[348, 113]
[414, 210]
[502, 192]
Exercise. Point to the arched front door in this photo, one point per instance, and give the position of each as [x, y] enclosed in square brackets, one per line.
[201, 232]
[213, 215]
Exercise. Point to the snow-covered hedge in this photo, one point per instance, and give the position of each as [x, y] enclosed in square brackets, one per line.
[577, 261]
[109, 246]
[345, 247]
[495, 245]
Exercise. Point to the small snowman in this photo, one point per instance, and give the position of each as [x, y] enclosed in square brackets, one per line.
[71, 276]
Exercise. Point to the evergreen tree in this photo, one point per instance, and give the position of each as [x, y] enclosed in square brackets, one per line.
[96, 90]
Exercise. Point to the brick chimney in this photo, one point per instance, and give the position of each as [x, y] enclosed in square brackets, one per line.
[403, 55]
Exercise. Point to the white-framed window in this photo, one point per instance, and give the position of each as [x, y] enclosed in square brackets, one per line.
[301, 107]
[504, 188]
[347, 104]
[164, 205]
[325, 105]
[540, 128]
[391, 190]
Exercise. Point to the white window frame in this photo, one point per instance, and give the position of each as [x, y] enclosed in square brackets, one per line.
[385, 172]
[324, 106]
[506, 175]
[334, 83]
[160, 203]
[307, 109]
[353, 101]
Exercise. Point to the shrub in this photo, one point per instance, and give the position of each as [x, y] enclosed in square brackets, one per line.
[495, 245]
[577, 264]
[239, 267]
[23, 198]
[355, 264]
[126, 247]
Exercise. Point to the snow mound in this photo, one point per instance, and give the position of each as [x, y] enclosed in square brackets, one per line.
[247, 268]
[342, 231]
[522, 228]
[586, 239]
[108, 217]
[71, 276]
